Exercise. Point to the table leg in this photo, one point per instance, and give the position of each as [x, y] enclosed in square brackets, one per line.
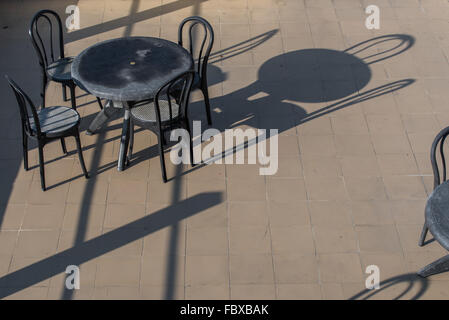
[124, 142]
[102, 117]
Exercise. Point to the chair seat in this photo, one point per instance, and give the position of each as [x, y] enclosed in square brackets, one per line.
[56, 120]
[61, 70]
[437, 214]
[145, 111]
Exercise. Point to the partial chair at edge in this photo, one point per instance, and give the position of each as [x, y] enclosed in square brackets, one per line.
[437, 211]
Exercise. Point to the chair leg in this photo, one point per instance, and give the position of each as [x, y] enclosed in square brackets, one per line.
[99, 103]
[205, 92]
[80, 155]
[25, 150]
[64, 149]
[124, 142]
[131, 143]
[41, 165]
[102, 117]
[439, 266]
[161, 157]
[72, 96]
[422, 238]
[44, 86]
[190, 143]
[64, 92]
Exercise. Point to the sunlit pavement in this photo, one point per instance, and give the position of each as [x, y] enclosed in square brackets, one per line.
[356, 109]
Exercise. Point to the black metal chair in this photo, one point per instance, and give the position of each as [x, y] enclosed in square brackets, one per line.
[46, 125]
[55, 67]
[437, 208]
[167, 111]
[200, 79]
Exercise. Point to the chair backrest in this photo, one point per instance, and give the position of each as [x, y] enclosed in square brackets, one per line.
[203, 52]
[26, 106]
[46, 47]
[177, 89]
[438, 143]
[381, 48]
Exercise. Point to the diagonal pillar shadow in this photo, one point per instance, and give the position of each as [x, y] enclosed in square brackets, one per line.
[88, 190]
[175, 228]
[129, 20]
[108, 242]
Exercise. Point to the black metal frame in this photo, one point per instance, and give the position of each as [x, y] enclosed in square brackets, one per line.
[160, 127]
[42, 138]
[202, 59]
[441, 264]
[47, 54]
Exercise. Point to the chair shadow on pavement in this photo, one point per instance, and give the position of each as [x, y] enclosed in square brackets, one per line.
[287, 82]
[408, 286]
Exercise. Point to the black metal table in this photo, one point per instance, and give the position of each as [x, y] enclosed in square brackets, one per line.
[128, 69]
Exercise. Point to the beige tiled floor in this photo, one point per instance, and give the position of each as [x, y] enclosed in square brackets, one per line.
[354, 171]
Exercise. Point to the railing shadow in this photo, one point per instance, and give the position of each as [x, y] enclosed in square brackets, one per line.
[131, 19]
[84, 251]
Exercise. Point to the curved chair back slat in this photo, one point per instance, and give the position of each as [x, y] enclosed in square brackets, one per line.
[174, 93]
[177, 89]
[26, 106]
[45, 47]
[390, 45]
[206, 43]
[439, 176]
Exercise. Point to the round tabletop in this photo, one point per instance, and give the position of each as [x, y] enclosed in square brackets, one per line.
[437, 214]
[130, 68]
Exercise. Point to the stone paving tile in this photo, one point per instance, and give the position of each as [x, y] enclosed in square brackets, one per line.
[253, 291]
[353, 178]
[207, 270]
[335, 239]
[340, 213]
[369, 240]
[298, 292]
[340, 267]
[207, 292]
[36, 243]
[13, 215]
[108, 268]
[291, 269]
[288, 214]
[207, 241]
[43, 216]
[372, 212]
